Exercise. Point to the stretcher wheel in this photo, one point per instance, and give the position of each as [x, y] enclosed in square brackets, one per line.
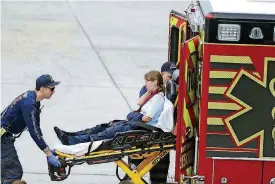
[58, 173]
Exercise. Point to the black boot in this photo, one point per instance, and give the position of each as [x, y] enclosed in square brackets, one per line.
[62, 136]
[67, 133]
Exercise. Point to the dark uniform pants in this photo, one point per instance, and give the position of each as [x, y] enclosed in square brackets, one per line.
[101, 132]
[11, 169]
[159, 173]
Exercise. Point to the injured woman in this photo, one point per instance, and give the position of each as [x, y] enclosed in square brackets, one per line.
[152, 105]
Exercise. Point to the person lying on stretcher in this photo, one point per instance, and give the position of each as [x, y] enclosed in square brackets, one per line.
[151, 112]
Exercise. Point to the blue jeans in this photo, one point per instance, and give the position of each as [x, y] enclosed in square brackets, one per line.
[101, 132]
[11, 169]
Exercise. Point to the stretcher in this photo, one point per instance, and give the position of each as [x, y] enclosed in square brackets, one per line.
[151, 146]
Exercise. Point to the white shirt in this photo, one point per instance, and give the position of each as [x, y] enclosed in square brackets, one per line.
[153, 108]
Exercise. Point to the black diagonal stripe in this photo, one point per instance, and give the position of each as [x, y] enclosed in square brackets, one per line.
[225, 141]
[214, 97]
[231, 66]
[219, 81]
[230, 154]
[217, 112]
[216, 128]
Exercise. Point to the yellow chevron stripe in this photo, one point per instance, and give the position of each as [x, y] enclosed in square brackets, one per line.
[272, 86]
[181, 28]
[222, 74]
[217, 90]
[256, 74]
[230, 59]
[196, 109]
[187, 119]
[173, 21]
[223, 106]
[192, 48]
[214, 121]
[273, 113]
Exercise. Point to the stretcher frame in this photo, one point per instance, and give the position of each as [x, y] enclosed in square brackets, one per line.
[152, 155]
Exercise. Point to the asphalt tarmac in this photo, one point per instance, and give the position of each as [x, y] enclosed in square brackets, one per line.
[98, 50]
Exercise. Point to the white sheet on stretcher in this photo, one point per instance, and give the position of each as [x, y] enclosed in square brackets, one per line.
[77, 149]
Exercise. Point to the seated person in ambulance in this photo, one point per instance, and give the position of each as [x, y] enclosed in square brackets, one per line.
[151, 106]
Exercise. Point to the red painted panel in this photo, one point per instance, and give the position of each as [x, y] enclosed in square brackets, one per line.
[179, 119]
[205, 164]
[269, 172]
[256, 53]
[238, 171]
[240, 168]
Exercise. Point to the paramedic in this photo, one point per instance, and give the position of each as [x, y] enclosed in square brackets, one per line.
[24, 113]
[151, 106]
[167, 70]
[158, 174]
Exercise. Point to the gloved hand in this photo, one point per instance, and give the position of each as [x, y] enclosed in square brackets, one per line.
[53, 152]
[53, 160]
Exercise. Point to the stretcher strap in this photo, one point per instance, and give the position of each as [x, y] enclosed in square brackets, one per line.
[147, 99]
[89, 148]
[148, 127]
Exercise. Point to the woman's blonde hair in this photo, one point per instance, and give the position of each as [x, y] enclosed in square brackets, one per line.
[155, 75]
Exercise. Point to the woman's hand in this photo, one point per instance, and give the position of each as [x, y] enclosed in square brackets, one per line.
[146, 119]
[148, 93]
[142, 99]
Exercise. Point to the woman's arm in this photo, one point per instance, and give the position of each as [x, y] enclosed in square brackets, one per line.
[142, 99]
[156, 106]
[145, 119]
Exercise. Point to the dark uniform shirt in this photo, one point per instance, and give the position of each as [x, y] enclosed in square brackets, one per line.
[22, 113]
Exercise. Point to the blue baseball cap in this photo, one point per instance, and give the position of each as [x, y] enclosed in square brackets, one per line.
[169, 67]
[45, 80]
